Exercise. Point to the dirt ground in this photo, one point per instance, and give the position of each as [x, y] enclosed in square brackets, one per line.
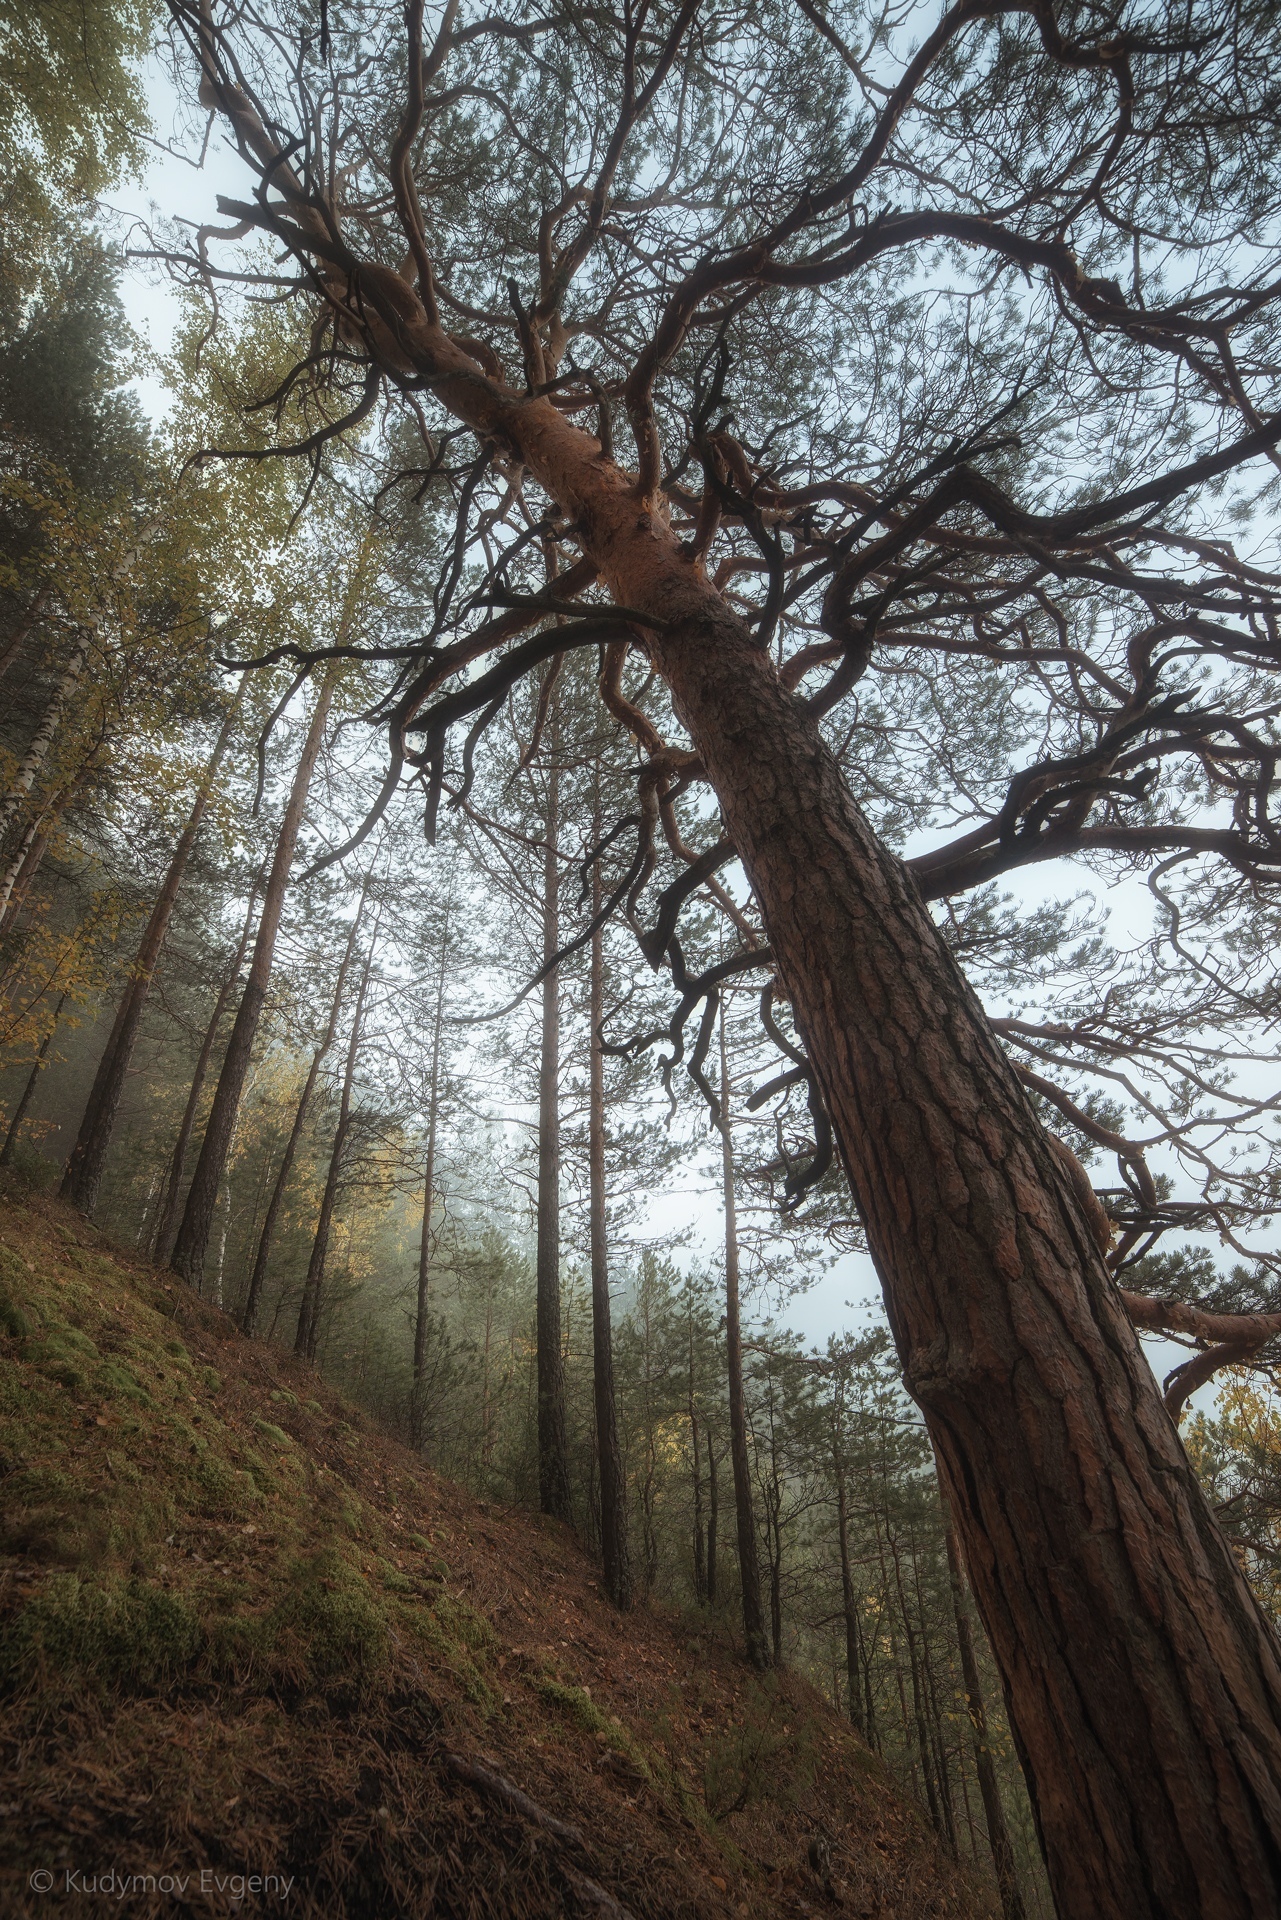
[256, 1657]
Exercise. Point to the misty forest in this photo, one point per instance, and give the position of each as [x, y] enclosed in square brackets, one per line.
[640, 1142]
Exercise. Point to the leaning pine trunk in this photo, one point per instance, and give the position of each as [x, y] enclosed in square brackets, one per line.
[83, 1176]
[1143, 1682]
[188, 1257]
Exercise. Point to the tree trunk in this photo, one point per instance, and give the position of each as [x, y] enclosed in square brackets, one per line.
[748, 1563]
[553, 1466]
[1143, 1682]
[249, 1312]
[28, 1092]
[168, 1215]
[26, 626]
[696, 1459]
[853, 1636]
[418, 1407]
[307, 1336]
[193, 1235]
[83, 1176]
[998, 1833]
[613, 1511]
[713, 1517]
[41, 740]
[25, 864]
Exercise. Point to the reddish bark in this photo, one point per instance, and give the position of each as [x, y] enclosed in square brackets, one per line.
[188, 1258]
[1143, 1682]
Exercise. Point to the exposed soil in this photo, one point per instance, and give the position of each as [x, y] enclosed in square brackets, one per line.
[242, 1632]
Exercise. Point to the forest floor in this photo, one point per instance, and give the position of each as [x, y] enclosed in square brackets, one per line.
[242, 1633]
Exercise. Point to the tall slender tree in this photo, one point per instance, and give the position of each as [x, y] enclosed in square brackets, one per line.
[553, 1462]
[998, 1832]
[435, 1092]
[613, 1507]
[307, 1336]
[167, 1214]
[749, 1566]
[188, 1256]
[280, 1185]
[83, 1175]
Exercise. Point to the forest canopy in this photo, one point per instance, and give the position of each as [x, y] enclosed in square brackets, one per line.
[697, 644]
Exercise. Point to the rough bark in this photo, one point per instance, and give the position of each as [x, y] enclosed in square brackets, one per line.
[553, 1465]
[83, 1176]
[307, 1336]
[188, 1257]
[1143, 1682]
[613, 1511]
[253, 1295]
[998, 1832]
[748, 1562]
[167, 1218]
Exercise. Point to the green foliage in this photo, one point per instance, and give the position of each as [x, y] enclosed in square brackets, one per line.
[73, 115]
[98, 1633]
[1237, 1454]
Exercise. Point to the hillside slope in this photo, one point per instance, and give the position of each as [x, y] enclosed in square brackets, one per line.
[243, 1634]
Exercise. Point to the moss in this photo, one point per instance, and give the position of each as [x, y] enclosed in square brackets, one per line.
[13, 1320]
[210, 1378]
[224, 1491]
[101, 1634]
[283, 1394]
[116, 1379]
[578, 1704]
[277, 1435]
[332, 1618]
